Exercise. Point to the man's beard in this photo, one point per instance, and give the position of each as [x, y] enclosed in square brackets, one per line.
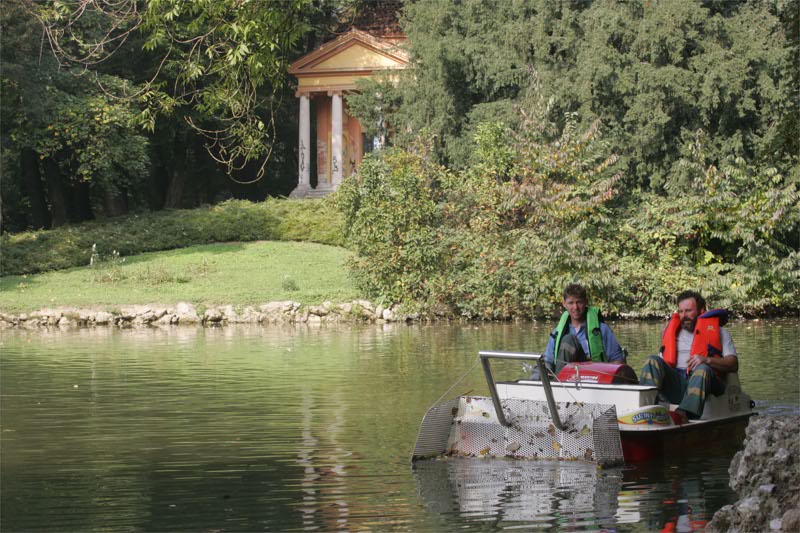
[688, 325]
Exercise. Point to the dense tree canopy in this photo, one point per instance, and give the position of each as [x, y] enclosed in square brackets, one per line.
[653, 72]
[503, 237]
[226, 60]
[67, 140]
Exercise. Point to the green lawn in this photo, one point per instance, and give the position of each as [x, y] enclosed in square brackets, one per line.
[206, 275]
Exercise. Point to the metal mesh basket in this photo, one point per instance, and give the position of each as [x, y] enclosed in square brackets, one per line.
[468, 426]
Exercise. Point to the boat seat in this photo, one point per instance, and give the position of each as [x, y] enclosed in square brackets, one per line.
[727, 403]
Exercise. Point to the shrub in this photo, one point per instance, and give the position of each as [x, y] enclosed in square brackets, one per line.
[233, 220]
[391, 216]
[535, 213]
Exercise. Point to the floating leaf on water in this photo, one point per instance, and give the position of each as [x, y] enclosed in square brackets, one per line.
[484, 451]
[552, 430]
[589, 454]
[539, 434]
[486, 415]
[556, 446]
[585, 431]
[513, 446]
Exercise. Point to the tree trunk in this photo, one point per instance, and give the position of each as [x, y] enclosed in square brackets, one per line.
[34, 189]
[115, 205]
[80, 206]
[177, 178]
[55, 192]
[177, 171]
[157, 187]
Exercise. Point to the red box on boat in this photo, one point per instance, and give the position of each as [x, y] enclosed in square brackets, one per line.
[590, 372]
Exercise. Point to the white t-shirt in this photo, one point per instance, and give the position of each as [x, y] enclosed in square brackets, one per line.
[685, 345]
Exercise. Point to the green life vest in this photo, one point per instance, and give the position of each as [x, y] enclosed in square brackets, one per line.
[596, 351]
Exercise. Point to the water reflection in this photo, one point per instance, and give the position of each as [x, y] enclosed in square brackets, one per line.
[503, 494]
[537, 494]
[677, 494]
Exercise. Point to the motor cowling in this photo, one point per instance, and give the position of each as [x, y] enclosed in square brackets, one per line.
[605, 373]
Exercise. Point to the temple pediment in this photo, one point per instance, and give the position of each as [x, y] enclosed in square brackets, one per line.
[337, 65]
[358, 56]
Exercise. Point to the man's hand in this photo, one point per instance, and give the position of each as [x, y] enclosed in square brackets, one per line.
[694, 362]
[726, 364]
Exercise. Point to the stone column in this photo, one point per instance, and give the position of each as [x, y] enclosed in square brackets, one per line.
[379, 140]
[304, 148]
[336, 140]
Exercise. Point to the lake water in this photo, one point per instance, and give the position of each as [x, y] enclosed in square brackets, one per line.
[307, 428]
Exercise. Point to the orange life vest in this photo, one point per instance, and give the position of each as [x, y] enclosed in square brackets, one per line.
[706, 341]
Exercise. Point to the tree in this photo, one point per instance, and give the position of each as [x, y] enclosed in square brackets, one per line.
[224, 60]
[652, 72]
[657, 72]
[74, 144]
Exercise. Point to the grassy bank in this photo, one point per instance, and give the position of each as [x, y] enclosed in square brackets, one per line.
[235, 220]
[231, 273]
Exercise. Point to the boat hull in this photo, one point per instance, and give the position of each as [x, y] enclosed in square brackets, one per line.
[647, 430]
[729, 433]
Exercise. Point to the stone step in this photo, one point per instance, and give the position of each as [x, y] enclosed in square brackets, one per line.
[318, 193]
[311, 193]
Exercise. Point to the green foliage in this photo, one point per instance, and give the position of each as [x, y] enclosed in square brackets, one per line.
[289, 284]
[391, 218]
[652, 72]
[523, 222]
[234, 220]
[225, 60]
[736, 227]
[692, 184]
[481, 242]
[377, 98]
[655, 73]
[91, 136]
[536, 212]
[63, 118]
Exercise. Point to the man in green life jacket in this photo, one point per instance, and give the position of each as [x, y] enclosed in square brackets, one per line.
[581, 335]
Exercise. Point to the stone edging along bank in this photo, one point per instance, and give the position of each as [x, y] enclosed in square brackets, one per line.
[185, 314]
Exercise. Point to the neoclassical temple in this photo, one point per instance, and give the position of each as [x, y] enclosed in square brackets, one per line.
[324, 77]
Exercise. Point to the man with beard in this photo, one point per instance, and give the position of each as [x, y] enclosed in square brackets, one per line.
[696, 353]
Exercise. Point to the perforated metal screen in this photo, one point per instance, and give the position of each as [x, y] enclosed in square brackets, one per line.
[592, 432]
